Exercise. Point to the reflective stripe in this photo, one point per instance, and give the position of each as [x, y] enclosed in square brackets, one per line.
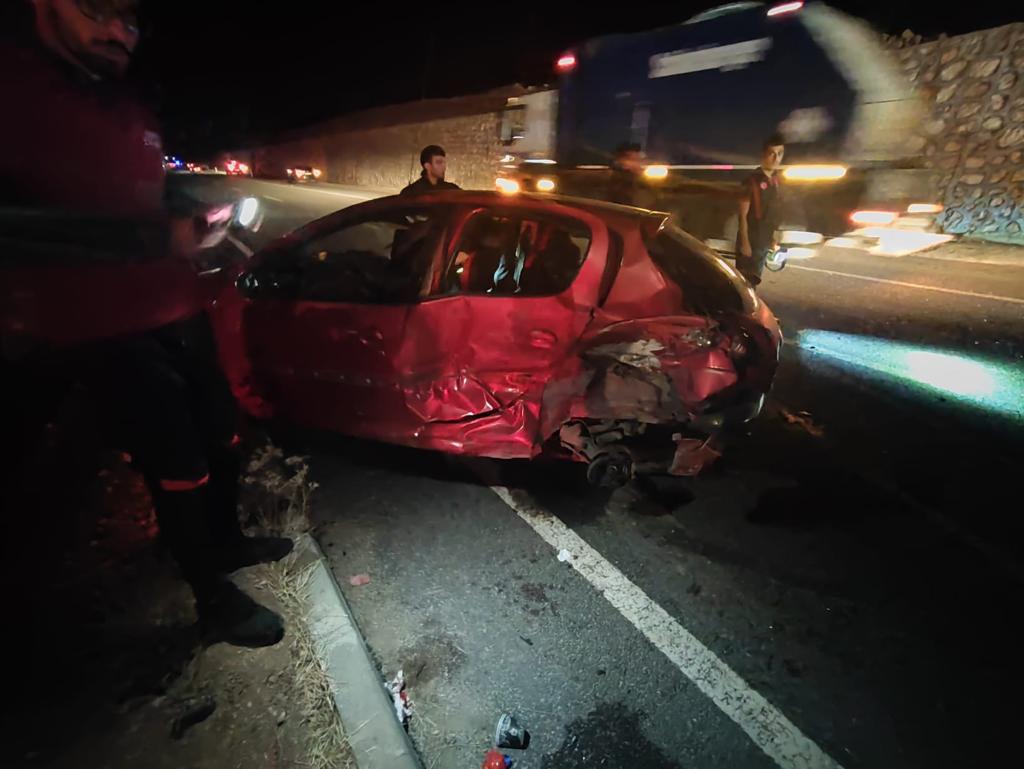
[184, 485]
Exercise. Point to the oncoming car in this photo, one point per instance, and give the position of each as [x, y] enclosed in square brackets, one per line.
[480, 324]
[300, 174]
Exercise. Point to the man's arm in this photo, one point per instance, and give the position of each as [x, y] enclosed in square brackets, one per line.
[743, 235]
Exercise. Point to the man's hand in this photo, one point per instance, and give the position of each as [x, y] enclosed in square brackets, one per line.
[742, 236]
[212, 227]
[192, 234]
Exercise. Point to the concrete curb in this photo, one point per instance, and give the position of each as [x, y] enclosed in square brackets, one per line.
[371, 726]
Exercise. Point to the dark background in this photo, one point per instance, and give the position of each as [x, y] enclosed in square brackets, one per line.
[227, 72]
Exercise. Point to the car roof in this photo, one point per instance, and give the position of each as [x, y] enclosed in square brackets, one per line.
[611, 213]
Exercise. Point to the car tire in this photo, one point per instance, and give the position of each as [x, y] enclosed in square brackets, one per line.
[611, 469]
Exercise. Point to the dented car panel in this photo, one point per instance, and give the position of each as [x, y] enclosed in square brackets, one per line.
[497, 372]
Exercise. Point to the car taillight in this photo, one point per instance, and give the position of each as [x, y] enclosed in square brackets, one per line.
[566, 62]
[290, 172]
[316, 173]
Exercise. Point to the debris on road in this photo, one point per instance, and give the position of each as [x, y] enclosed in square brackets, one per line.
[692, 455]
[400, 699]
[803, 419]
[509, 734]
[496, 760]
[358, 580]
[564, 556]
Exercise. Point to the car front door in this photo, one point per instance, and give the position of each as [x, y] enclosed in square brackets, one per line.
[324, 316]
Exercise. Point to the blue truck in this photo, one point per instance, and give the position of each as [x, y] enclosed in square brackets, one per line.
[701, 96]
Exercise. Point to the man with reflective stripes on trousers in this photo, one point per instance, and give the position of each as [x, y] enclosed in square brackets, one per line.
[760, 211]
[78, 143]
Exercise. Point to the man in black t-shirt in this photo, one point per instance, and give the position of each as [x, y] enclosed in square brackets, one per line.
[434, 164]
[760, 211]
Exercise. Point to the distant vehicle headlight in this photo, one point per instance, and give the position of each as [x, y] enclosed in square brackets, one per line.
[507, 186]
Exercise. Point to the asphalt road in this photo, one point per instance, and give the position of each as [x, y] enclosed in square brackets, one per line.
[841, 589]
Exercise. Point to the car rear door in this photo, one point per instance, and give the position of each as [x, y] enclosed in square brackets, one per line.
[475, 360]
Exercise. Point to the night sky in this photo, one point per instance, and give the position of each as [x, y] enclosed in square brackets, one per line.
[225, 72]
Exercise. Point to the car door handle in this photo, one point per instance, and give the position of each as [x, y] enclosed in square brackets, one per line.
[543, 339]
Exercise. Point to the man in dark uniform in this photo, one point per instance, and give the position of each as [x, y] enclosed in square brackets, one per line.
[132, 332]
[760, 211]
[626, 184]
[434, 164]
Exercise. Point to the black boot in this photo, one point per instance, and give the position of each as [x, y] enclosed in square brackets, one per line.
[235, 550]
[225, 612]
[229, 615]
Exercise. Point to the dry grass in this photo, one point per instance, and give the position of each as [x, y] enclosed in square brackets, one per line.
[276, 492]
[279, 492]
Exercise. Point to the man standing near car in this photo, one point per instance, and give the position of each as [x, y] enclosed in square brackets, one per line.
[760, 211]
[79, 143]
[434, 163]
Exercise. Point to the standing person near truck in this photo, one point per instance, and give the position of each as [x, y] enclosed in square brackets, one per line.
[760, 211]
[626, 185]
[78, 143]
[434, 165]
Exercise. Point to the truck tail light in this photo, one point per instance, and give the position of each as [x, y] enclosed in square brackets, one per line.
[812, 173]
[566, 62]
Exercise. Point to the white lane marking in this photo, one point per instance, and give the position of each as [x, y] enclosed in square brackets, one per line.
[923, 287]
[766, 726]
[271, 197]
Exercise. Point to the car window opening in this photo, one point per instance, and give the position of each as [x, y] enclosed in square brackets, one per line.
[381, 261]
[502, 255]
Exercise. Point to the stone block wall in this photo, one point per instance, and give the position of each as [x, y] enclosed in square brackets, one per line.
[380, 148]
[973, 135]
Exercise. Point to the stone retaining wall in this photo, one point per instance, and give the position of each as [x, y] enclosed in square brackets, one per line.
[974, 132]
[380, 148]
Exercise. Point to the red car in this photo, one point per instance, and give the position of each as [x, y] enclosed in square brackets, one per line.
[503, 326]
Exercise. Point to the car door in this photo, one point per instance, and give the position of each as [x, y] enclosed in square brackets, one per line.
[475, 360]
[325, 312]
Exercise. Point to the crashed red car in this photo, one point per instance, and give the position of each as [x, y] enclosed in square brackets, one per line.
[507, 327]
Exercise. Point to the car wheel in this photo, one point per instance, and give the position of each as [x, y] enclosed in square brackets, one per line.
[611, 469]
